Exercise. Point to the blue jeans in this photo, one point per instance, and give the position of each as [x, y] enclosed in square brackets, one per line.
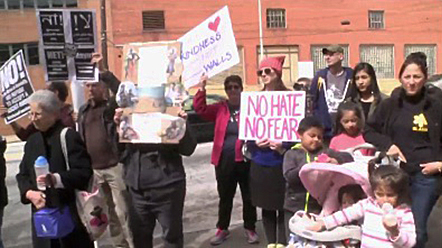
[424, 197]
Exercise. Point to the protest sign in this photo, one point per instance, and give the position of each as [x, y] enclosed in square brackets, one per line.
[305, 69]
[274, 115]
[209, 48]
[151, 97]
[67, 41]
[16, 87]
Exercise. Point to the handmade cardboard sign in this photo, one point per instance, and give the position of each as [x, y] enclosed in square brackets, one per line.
[274, 115]
[209, 48]
[151, 93]
[16, 87]
[67, 42]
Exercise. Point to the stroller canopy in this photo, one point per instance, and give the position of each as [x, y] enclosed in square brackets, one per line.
[323, 181]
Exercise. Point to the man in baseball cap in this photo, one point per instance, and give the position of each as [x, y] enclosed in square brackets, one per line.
[330, 87]
[332, 49]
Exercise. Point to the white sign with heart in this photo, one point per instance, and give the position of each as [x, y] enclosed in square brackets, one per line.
[209, 48]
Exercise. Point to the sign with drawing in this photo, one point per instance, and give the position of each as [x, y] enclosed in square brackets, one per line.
[151, 97]
[67, 41]
[16, 87]
[274, 115]
[209, 48]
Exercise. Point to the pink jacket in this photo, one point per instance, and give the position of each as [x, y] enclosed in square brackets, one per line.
[220, 114]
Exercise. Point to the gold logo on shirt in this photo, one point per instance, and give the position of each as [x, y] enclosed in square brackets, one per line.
[420, 123]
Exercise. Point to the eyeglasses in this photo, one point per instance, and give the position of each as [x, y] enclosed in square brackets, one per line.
[267, 71]
[232, 87]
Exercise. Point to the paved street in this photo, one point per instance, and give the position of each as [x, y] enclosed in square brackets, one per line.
[200, 212]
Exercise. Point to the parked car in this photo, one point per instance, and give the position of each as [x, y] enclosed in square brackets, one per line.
[202, 129]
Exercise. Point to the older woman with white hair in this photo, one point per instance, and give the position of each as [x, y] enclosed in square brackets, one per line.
[45, 116]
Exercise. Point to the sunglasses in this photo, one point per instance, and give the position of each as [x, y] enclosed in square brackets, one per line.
[267, 71]
[232, 87]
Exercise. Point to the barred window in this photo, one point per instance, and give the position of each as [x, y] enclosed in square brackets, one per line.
[30, 50]
[32, 4]
[429, 50]
[153, 20]
[276, 18]
[381, 57]
[318, 58]
[376, 19]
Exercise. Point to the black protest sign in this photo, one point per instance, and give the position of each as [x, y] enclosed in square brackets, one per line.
[56, 64]
[16, 87]
[83, 67]
[52, 27]
[68, 57]
[82, 27]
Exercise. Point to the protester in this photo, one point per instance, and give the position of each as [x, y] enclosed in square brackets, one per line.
[3, 189]
[66, 111]
[302, 83]
[156, 180]
[348, 128]
[230, 167]
[45, 116]
[390, 187]
[330, 87]
[267, 183]
[98, 130]
[408, 125]
[297, 198]
[364, 89]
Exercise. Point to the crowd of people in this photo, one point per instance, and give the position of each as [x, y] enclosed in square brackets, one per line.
[345, 108]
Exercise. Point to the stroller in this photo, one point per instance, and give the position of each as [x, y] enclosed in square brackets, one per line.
[331, 177]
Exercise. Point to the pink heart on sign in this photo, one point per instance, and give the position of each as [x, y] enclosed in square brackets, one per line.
[214, 25]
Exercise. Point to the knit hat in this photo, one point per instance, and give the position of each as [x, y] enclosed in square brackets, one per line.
[273, 62]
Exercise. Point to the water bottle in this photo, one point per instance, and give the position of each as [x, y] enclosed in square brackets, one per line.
[41, 168]
[389, 217]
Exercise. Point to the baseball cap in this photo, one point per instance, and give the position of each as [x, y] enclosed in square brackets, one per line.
[332, 49]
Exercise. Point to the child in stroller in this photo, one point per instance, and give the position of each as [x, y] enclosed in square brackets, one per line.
[381, 227]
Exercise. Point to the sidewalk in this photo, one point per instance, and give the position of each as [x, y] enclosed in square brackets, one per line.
[201, 239]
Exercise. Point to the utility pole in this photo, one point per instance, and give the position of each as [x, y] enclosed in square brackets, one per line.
[261, 45]
[104, 34]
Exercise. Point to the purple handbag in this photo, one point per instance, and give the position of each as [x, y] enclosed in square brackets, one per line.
[53, 222]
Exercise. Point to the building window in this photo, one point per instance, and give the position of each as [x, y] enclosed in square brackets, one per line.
[153, 20]
[32, 4]
[376, 19]
[276, 18]
[381, 57]
[318, 58]
[30, 51]
[429, 50]
[13, 4]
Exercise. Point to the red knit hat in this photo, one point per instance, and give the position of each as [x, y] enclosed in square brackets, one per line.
[273, 62]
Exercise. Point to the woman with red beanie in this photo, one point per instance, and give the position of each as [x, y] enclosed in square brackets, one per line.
[267, 183]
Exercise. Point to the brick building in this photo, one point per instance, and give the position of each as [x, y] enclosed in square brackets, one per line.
[18, 30]
[380, 32]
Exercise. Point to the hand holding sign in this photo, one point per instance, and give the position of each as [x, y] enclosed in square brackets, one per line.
[203, 82]
[97, 58]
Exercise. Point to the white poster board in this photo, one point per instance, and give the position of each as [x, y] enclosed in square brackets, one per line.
[209, 48]
[16, 87]
[305, 69]
[274, 115]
